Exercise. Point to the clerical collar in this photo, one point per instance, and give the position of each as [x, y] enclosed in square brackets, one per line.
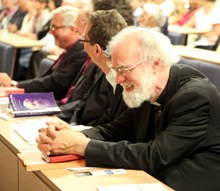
[156, 104]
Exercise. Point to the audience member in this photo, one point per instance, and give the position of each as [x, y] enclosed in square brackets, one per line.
[16, 20]
[172, 130]
[207, 18]
[8, 11]
[93, 99]
[48, 40]
[194, 6]
[66, 69]
[122, 6]
[167, 6]
[153, 17]
[137, 9]
[50, 47]
[40, 18]
[181, 8]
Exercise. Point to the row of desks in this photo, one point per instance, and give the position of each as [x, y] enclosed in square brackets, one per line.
[16, 176]
[17, 42]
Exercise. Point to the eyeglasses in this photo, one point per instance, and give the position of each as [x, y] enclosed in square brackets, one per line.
[85, 41]
[53, 28]
[124, 70]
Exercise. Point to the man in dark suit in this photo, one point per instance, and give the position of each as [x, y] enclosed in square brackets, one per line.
[66, 69]
[16, 20]
[93, 96]
[172, 130]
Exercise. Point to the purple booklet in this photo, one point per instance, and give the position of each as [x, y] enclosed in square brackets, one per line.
[33, 104]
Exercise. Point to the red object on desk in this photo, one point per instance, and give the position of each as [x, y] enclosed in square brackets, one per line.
[61, 158]
[4, 91]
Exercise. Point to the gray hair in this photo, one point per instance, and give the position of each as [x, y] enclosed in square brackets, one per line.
[150, 44]
[69, 14]
[155, 11]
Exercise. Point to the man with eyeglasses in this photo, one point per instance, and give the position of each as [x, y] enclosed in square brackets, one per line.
[172, 129]
[95, 100]
[67, 68]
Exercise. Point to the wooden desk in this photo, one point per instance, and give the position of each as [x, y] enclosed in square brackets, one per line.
[15, 177]
[66, 180]
[10, 145]
[199, 54]
[17, 42]
[186, 30]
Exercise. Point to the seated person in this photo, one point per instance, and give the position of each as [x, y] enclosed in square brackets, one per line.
[16, 20]
[153, 17]
[172, 129]
[93, 99]
[66, 69]
[206, 18]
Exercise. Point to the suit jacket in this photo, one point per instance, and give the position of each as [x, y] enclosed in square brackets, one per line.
[17, 18]
[91, 98]
[177, 142]
[117, 107]
[59, 80]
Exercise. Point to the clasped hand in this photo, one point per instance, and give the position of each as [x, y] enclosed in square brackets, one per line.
[59, 138]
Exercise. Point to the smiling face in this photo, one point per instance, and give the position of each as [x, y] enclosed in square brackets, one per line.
[64, 36]
[140, 83]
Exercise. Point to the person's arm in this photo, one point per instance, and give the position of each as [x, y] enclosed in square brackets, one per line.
[6, 81]
[183, 133]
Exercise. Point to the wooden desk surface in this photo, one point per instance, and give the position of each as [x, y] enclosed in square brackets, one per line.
[10, 137]
[60, 178]
[67, 180]
[19, 41]
[186, 30]
[199, 54]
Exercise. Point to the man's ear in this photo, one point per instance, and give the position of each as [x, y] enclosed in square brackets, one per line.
[98, 49]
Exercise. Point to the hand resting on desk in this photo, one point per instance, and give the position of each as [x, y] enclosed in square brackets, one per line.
[59, 138]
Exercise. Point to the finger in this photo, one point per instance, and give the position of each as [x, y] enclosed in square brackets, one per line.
[44, 138]
[43, 147]
[51, 131]
[58, 125]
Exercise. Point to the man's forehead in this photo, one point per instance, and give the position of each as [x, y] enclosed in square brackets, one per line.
[57, 18]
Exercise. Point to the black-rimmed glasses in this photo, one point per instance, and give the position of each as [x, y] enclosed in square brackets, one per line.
[85, 41]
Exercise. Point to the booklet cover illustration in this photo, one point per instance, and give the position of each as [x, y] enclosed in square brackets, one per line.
[29, 104]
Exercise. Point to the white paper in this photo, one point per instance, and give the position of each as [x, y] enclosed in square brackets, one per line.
[29, 129]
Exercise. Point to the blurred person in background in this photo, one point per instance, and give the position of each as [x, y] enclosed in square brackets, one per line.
[206, 18]
[16, 21]
[8, 10]
[153, 17]
[41, 16]
[194, 6]
[122, 6]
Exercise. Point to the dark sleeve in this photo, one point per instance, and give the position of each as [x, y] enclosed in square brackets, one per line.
[189, 121]
[59, 80]
[117, 107]
[98, 102]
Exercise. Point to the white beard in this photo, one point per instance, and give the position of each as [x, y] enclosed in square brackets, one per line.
[141, 93]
